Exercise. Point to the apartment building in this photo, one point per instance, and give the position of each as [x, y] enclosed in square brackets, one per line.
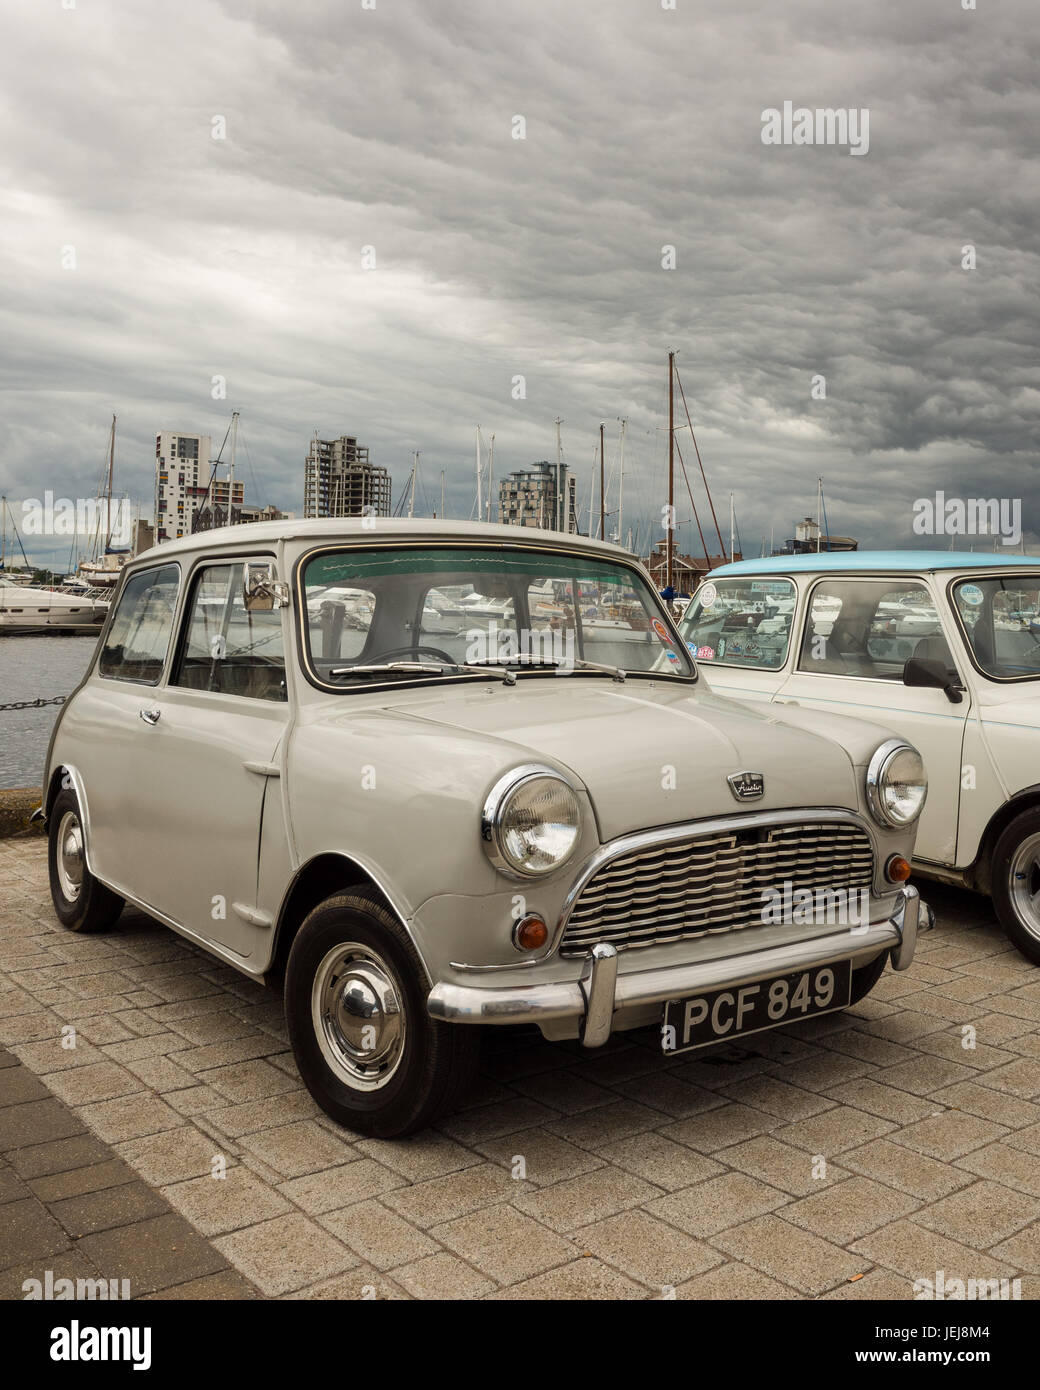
[339, 480]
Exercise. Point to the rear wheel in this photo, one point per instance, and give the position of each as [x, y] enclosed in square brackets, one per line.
[1015, 880]
[81, 902]
[355, 1003]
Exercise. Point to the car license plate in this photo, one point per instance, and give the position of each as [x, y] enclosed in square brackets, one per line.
[724, 1014]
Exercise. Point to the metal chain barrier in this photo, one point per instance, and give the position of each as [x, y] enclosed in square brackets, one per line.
[35, 704]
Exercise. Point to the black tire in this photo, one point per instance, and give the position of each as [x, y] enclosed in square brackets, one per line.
[866, 977]
[421, 1066]
[1008, 879]
[93, 907]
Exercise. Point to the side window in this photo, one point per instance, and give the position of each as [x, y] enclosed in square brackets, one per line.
[139, 638]
[226, 648]
[741, 622]
[870, 628]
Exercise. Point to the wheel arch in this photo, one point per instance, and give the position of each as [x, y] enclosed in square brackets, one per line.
[320, 878]
[1028, 799]
[67, 777]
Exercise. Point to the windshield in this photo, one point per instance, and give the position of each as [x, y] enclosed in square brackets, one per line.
[445, 606]
[741, 622]
[1001, 620]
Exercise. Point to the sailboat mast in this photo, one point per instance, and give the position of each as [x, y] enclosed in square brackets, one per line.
[732, 527]
[480, 497]
[108, 497]
[491, 474]
[231, 466]
[670, 542]
[411, 499]
[559, 476]
[442, 494]
[819, 512]
[602, 495]
[621, 485]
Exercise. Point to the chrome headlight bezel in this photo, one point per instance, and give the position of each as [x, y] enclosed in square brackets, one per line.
[493, 813]
[877, 769]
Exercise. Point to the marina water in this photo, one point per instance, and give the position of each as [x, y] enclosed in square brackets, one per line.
[35, 668]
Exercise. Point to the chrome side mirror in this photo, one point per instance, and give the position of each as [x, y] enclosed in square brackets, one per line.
[262, 592]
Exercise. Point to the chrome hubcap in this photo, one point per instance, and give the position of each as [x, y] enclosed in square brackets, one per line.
[70, 856]
[1025, 884]
[358, 1013]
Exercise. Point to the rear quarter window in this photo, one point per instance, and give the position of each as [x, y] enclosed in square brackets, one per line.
[138, 640]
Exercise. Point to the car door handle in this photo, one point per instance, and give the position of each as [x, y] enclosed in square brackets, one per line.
[151, 716]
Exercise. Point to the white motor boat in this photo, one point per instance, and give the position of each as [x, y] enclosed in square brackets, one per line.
[27, 608]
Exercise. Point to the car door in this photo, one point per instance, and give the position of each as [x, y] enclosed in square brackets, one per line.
[739, 629]
[210, 743]
[856, 637]
[100, 734]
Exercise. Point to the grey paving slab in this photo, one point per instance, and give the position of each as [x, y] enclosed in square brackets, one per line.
[175, 1146]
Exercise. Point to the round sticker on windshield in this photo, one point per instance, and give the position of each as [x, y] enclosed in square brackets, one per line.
[708, 595]
[971, 594]
[662, 631]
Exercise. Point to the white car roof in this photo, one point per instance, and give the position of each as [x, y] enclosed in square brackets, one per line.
[263, 534]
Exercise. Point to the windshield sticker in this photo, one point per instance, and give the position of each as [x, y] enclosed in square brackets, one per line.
[970, 593]
[702, 653]
[662, 631]
[708, 595]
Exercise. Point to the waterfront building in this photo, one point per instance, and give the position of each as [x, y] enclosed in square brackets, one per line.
[339, 480]
[687, 571]
[541, 496]
[184, 487]
[808, 539]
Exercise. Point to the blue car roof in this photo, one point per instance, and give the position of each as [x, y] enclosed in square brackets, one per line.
[894, 561]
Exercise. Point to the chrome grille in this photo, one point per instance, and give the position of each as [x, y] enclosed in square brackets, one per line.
[706, 884]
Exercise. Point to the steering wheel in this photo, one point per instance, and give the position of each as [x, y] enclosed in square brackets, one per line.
[414, 651]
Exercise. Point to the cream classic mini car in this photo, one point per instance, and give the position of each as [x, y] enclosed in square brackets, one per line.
[942, 647]
[446, 775]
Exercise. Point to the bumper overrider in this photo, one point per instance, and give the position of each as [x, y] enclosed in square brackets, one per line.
[601, 992]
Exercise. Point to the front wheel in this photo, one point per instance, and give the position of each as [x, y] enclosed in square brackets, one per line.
[355, 1005]
[81, 902]
[1015, 880]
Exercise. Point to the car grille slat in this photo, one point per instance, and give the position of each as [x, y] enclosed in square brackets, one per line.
[711, 884]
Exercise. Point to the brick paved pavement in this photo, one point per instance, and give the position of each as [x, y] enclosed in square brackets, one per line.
[72, 1208]
[839, 1159]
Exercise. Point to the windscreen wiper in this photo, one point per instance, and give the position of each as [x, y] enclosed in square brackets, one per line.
[421, 668]
[561, 667]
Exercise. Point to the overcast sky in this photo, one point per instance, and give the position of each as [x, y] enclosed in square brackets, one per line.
[392, 127]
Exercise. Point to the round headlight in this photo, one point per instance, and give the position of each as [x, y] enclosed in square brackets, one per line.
[896, 784]
[531, 822]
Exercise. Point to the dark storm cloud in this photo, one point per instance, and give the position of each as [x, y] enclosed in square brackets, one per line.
[495, 257]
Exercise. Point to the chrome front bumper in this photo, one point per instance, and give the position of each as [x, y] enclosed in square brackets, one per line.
[601, 991]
